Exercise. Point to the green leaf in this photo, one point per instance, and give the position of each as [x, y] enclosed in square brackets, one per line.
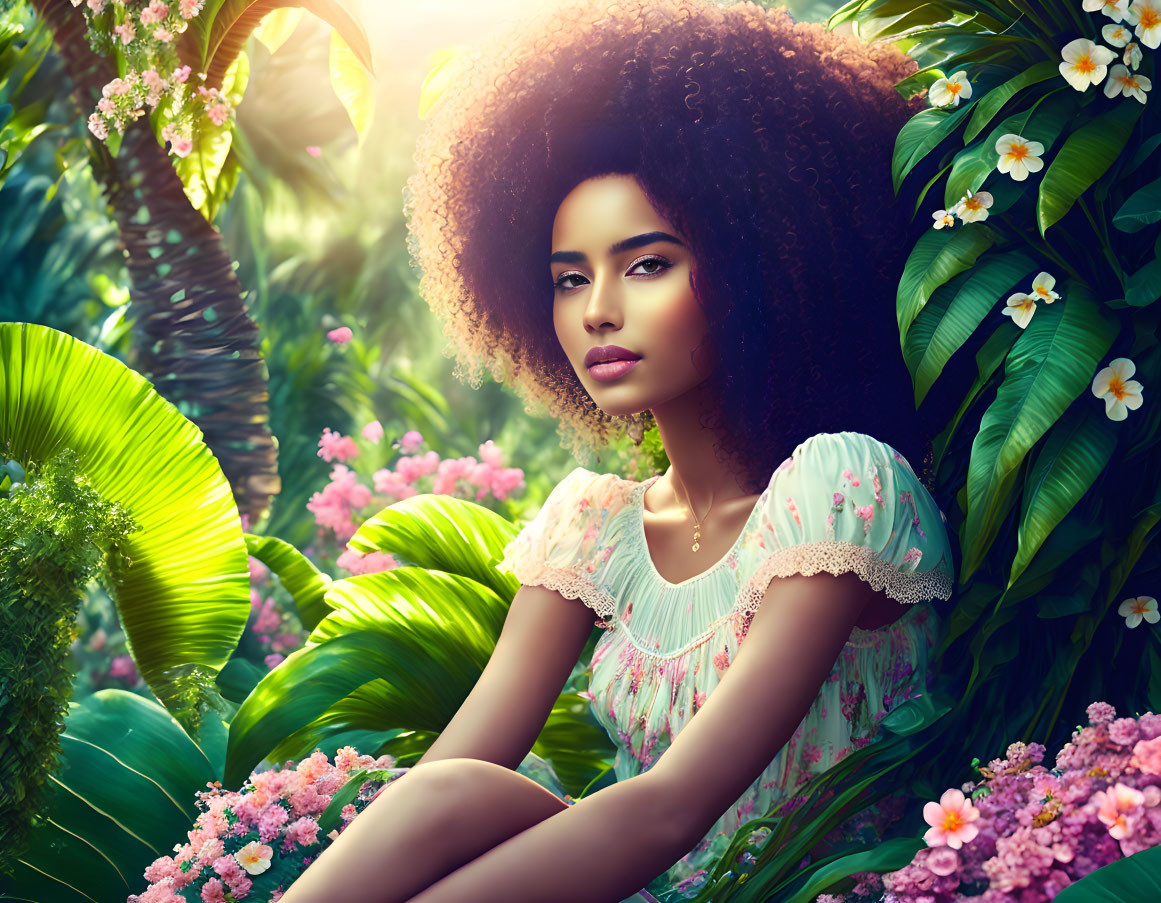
[443, 533]
[1043, 122]
[941, 330]
[991, 103]
[219, 32]
[238, 678]
[1075, 452]
[921, 134]
[1051, 364]
[277, 27]
[939, 255]
[123, 794]
[888, 856]
[297, 574]
[1143, 208]
[1143, 286]
[185, 600]
[352, 85]
[1127, 880]
[1085, 156]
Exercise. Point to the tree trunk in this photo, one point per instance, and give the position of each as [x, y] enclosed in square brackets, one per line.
[192, 335]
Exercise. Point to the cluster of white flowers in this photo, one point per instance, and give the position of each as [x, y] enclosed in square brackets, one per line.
[1084, 63]
[1022, 305]
[971, 208]
[1113, 383]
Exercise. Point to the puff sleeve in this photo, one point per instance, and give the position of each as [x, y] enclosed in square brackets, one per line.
[554, 548]
[848, 502]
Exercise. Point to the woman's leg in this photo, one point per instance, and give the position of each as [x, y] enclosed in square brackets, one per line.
[424, 825]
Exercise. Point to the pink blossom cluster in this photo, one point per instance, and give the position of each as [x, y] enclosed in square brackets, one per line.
[335, 508]
[239, 835]
[148, 33]
[1028, 831]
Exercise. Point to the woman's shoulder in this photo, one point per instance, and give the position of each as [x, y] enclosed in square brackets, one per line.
[586, 490]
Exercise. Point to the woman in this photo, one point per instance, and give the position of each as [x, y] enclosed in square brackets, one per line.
[673, 212]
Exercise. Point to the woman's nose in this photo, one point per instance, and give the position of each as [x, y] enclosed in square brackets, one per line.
[604, 306]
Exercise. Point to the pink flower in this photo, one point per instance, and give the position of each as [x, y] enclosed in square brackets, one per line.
[213, 891]
[373, 431]
[1100, 713]
[951, 820]
[1113, 805]
[358, 563]
[335, 446]
[182, 145]
[126, 32]
[254, 857]
[1147, 756]
[155, 12]
[273, 660]
[218, 113]
[180, 75]
[314, 150]
[97, 126]
[942, 861]
[340, 336]
[410, 442]
[122, 666]
[189, 8]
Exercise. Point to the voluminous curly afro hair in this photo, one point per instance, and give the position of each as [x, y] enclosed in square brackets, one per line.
[766, 142]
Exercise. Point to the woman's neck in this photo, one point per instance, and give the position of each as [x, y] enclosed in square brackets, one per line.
[692, 452]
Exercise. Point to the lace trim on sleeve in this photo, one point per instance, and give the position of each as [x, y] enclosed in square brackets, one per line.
[837, 557]
[571, 585]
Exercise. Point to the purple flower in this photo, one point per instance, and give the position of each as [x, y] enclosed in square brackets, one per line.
[1100, 713]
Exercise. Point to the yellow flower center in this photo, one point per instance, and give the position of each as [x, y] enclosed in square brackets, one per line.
[973, 204]
[952, 822]
[1117, 387]
[1084, 65]
[1042, 292]
[1018, 151]
[1025, 303]
[954, 87]
[1139, 608]
[1149, 18]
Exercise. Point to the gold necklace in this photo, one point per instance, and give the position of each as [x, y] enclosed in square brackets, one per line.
[696, 520]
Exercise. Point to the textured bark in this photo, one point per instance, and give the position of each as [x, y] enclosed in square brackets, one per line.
[192, 335]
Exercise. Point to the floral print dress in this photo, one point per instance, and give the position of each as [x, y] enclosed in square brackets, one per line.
[841, 502]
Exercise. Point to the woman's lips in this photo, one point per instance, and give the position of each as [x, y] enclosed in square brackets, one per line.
[611, 370]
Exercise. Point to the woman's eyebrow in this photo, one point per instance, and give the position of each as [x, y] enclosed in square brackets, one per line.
[625, 244]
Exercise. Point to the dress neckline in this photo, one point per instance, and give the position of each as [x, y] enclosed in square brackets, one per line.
[637, 508]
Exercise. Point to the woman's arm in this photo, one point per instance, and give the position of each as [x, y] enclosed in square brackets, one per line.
[613, 843]
[501, 718]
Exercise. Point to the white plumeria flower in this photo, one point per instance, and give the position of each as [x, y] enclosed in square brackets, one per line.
[1020, 307]
[1117, 35]
[1122, 81]
[1042, 287]
[1120, 393]
[1142, 608]
[1114, 9]
[1085, 63]
[1018, 156]
[973, 208]
[950, 90]
[1147, 18]
[943, 218]
[1133, 54]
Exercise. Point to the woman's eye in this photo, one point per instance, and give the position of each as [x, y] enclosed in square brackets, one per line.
[659, 264]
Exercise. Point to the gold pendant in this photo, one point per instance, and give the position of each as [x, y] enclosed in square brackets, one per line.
[696, 536]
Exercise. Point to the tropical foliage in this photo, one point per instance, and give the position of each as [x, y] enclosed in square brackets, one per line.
[1047, 199]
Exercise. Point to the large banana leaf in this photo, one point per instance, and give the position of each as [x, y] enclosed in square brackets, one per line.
[123, 795]
[221, 30]
[184, 599]
[400, 651]
[1136, 877]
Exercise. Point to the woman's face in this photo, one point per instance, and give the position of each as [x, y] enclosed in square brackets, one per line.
[621, 276]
